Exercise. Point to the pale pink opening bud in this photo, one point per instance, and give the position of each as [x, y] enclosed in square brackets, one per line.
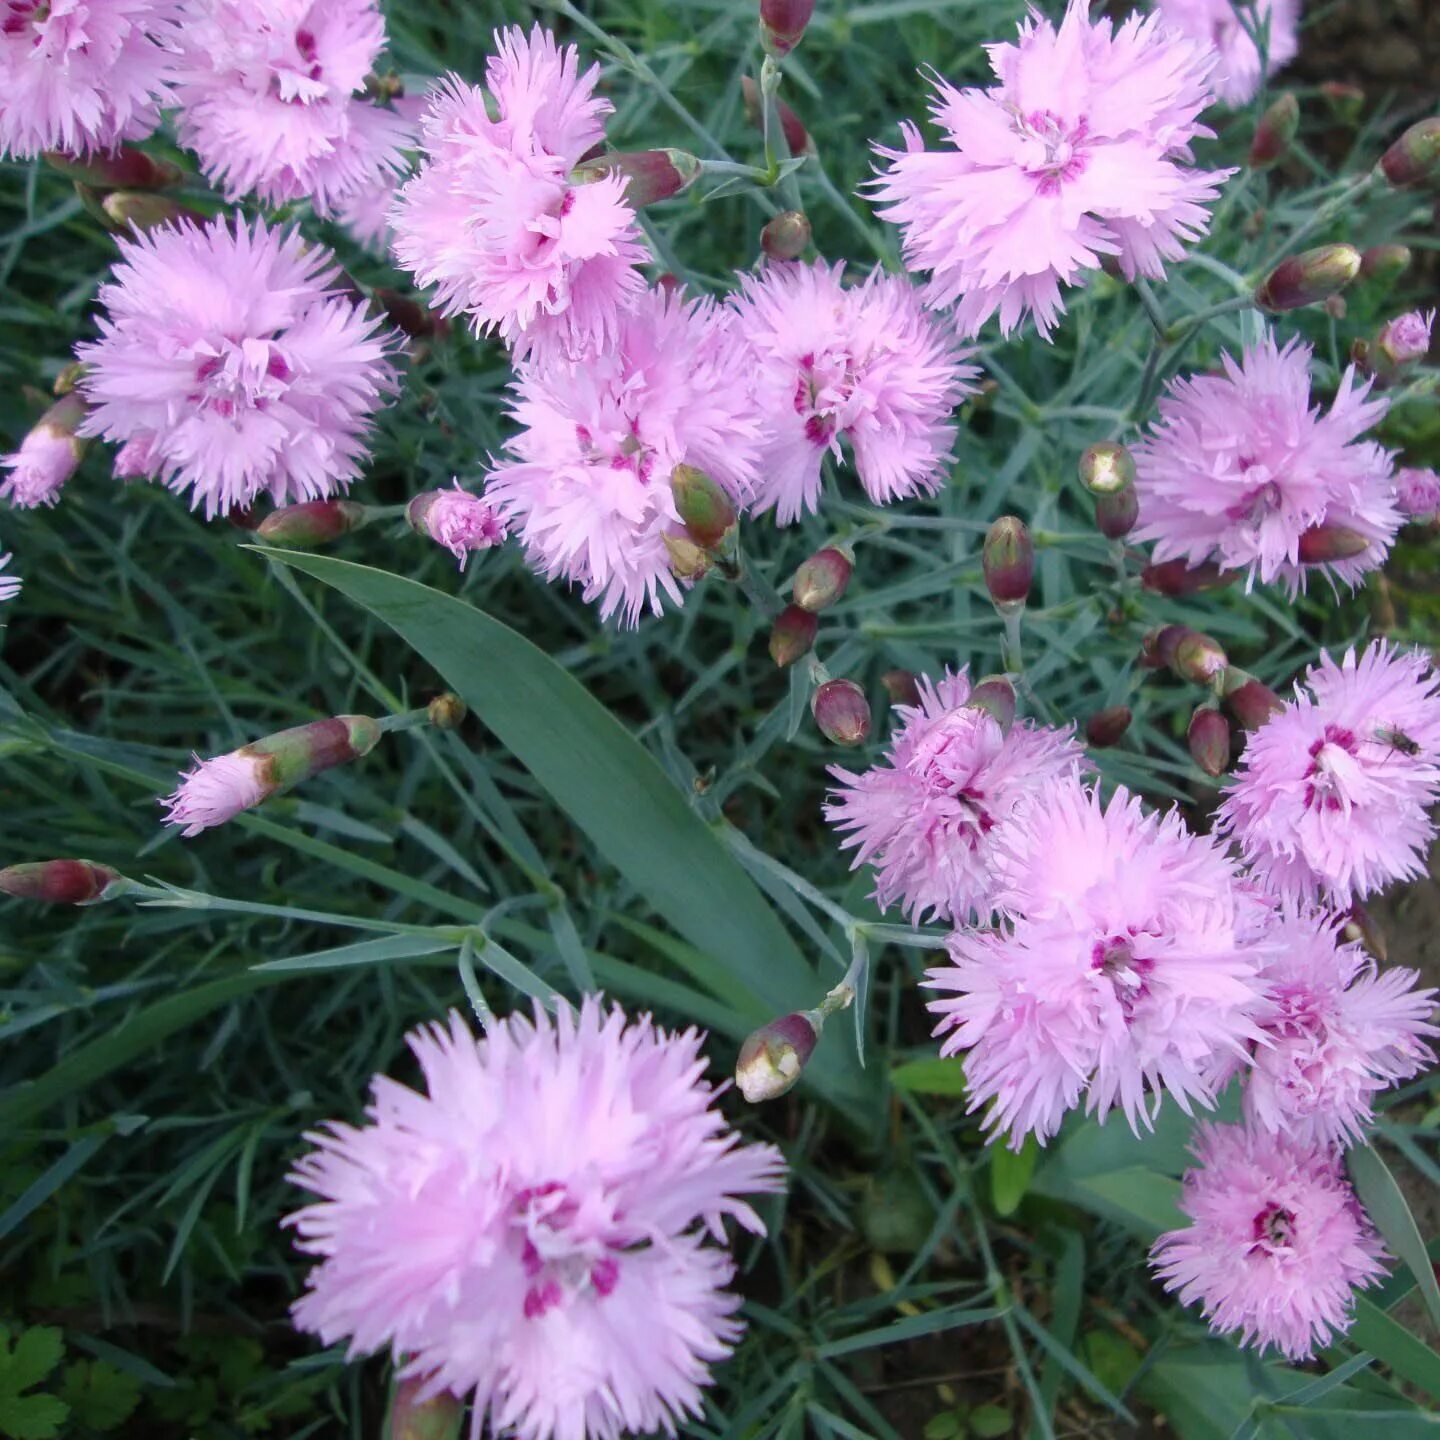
[463, 523]
[786, 236]
[311, 523]
[841, 711]
[1008, 560]
[1402, 341]
[48, 456]
[782, 23]
[219, 789]
[792, 635]
[773, 1056]
[822, 579]
[58, 882]
[1106, 727]
[1209, 739]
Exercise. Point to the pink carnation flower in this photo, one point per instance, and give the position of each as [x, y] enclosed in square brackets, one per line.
[1417, 493]
[1406, 338]
[458, 520]
[1081, 150]
[270, 99]
[233, 366]
[925, 818]
[9, 584]
[47, 458]
[1334, 1032]
[1332, 796]
[533, 1229]
[492, 220]
[1277, 1243]
[1218, 23]
[1241, 465]
[215, 791]
[366, 213]
[83, 75]
[589, 483]
[864, 364]
[1126, 971]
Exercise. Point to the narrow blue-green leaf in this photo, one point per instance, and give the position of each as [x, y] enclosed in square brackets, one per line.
[1387, 1208]
[608, 784]
[363, 952]
[44, 1186]
[931, 1323]
[1390, 1342]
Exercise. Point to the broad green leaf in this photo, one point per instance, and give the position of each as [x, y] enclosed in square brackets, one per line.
[1010, 1174]
[930, 1077]
[35, 1354]
[609, 785]
[1388, 1340]
[99, 1396]
[1387, 1208]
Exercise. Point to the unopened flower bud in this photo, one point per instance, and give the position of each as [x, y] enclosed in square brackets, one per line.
[218, 789]
[786, 236]
[48, 456]
[1008, 559]
[69, 377]
[463, 523]
[1385, 264]
[1401, 341]
[1275, 132]
[447, 711]
[687, 560]
[135, 211]
[705, 510]
[1250, 702]
[1177, 578]
[410, 316]
[59, 882]
[995, 695]
[1360, 927]
[1345, 101]
[311, 523]
[773, 1056]
[822, 579]
[1199, 659]
[438, 1417]
[1209, 740]
[1415, 157]
[841, 711]
[650, 175]
[1308, 278]
[124, 169]
[1115, 515]
[797, 138]
[1159, 646]
[1327, 542]
[782, 23]
[1105, 727]
[902, 686]
[792, 635]
[1107, 468]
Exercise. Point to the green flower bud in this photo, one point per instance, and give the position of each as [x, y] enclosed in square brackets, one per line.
[797, 138]
[135, 211]
[1345, 101]
[773, 1056]
[786, 236]
[1199, 659]
[1385, 264]
[705, 510]
[822, 579]
[1107, 468]
[1415, 157]
[436, 1418]
[447, 711]
[901, 686]
[687, 560]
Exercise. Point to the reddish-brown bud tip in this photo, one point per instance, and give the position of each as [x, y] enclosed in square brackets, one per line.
[705, 510]
[1116, 515]
[1107, 468]
[773, 1056]
[782, 24]
[311, 523]
[1415, 157]
[792, 635]
[650, 175]
[1209, 740]
[1008, 560]
[1175, 578]
[1105, 727]
[786, 236]
[841, 711]
[1275, 132]
[902, 686]
[1248, 701]
[58, 882]
[1322, 544]
[1309, 278]
[822, 579]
